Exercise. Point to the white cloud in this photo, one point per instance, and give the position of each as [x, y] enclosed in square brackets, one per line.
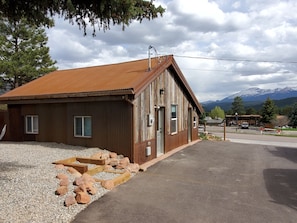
[247, 31]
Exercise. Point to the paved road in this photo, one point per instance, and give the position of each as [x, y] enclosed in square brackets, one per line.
[251, 136]
[206, 183]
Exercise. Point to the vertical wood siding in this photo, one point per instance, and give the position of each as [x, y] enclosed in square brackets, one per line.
[173, 95]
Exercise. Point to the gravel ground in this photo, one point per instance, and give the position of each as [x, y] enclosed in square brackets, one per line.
[28, 182]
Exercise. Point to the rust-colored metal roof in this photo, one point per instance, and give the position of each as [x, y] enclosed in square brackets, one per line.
[114, 79]
[90, 79]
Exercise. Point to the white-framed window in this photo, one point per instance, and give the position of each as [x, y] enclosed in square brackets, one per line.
[194, 122]
[83, 126]
[173, 121]
[31, 124]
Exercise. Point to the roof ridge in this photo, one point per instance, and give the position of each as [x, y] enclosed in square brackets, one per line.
[112, 64]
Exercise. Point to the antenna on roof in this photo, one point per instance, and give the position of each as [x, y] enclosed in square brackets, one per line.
[149, 56]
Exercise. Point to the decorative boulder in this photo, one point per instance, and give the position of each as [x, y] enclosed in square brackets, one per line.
[62, 190]
[108, 168]
[88, 178]
[133, 168]
[80, 188]
[61, 176]
[107, 184]
[74, 172]
[78, 181]
[59, 166]
[64, 182]
[123, 163]
[105, 155]
[114, 162]
[92, 190]
[69, 200]
[82, 198]
[113, 155]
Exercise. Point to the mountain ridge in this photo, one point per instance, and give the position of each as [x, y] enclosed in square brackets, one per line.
[253, 96]
[258, 94]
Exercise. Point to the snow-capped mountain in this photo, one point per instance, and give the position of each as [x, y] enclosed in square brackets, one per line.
[258, 94]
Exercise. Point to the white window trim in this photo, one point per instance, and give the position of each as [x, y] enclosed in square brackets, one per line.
[32, 118]
[83, 126]
[174, 119]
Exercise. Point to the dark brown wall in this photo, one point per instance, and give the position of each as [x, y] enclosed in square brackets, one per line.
[15, 128]
[176, 140]
[111, 124]
[195, 134]
[140, 155]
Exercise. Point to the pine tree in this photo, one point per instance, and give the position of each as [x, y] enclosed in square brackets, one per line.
[24, 55]
[97, 13]
[293, 116]
[268, 111]
[237, 106]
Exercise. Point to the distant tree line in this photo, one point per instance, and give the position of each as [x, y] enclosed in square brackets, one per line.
[268, 112]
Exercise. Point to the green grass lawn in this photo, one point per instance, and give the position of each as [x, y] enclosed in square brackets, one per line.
[290, 129]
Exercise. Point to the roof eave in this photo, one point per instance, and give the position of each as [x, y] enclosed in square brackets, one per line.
[118, 92]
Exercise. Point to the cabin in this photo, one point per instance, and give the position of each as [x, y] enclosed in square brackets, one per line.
[141, 109]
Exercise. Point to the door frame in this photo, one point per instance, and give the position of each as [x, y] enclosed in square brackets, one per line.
[160, 131]
[190, 125]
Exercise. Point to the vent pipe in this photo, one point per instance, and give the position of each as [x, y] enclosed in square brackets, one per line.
[149, 56]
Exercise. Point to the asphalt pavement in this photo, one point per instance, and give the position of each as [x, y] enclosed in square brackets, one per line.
[255, 136]
[208, 182]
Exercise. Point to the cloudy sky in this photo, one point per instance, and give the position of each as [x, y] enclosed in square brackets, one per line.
[221, 46]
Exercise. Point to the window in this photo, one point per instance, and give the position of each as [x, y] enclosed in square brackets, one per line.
[194, 122]
[173, 122]
[31, 124]
[82, 126]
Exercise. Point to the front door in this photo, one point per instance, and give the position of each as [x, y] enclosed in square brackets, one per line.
[160, 131]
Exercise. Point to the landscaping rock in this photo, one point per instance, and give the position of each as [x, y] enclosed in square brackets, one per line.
[108, 168]
[69, 200]
[59, 166]
[114, 162]
[133, 168]
[107, 184]
[62, 190]
[74, 172]
[61, 176]
[107, 161]
[78, 181]
[105, 155]
[92, 190]
[123, 163]
[80, 188]
[88, 178]
[64, 182]
[113, 155]
[82, 198]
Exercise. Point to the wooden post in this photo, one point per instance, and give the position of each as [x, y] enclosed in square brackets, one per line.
[225, 130]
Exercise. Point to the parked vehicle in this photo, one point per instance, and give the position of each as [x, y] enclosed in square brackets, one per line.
[244, 125]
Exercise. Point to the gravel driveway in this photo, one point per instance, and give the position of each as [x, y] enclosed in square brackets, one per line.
[28, 182]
